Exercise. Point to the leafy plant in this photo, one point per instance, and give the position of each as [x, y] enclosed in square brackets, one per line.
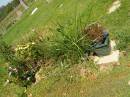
[24, 61]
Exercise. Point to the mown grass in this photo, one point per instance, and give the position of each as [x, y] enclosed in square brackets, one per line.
[51, 12]
[70, 83]
[65, 80]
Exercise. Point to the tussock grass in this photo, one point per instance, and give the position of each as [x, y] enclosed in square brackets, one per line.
[69, 42]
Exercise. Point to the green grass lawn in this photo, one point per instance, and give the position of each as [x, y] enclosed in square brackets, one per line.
[59, 82]
[87, 10]
[62, 82]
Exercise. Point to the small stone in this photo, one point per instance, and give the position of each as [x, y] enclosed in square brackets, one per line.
[128, 65]
[6, 82]
[64, 94]
[129, 82]
[60, 5]
[30, 95]
[34, 10]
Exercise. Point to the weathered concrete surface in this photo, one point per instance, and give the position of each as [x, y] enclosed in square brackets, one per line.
[112, 58]
[34, 11]
[114, 6]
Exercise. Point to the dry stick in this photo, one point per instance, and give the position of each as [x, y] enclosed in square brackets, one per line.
[49, 62]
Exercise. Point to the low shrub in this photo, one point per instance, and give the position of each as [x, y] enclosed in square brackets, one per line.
[67, 44]
[24, 61]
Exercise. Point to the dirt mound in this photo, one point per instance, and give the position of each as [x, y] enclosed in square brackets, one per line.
[94, 32]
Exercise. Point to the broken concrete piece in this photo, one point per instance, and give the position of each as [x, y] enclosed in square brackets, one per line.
[34, 11]
[129, 83]
[7, 81]
[114, 6]
[113, 45]
[112, 58]
[60, 5]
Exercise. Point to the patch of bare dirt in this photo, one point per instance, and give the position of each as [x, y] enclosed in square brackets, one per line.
[86, 73]
[105, 68]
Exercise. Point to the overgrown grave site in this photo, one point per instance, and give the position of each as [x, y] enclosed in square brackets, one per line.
[68, 44]
[60, 55]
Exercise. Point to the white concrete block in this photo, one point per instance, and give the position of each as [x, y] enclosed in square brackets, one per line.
[34, 11]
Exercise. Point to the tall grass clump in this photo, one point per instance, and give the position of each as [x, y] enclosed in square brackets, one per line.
[68, 42]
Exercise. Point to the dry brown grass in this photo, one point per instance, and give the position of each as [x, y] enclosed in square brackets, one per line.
[94, 32]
